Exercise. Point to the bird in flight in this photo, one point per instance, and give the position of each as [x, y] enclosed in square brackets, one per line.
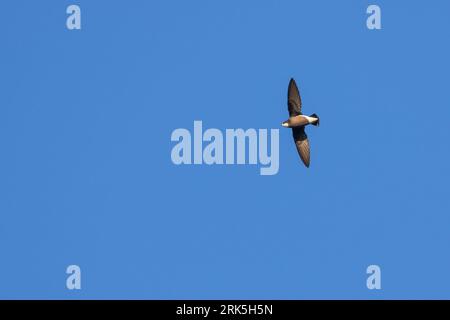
[297, 121]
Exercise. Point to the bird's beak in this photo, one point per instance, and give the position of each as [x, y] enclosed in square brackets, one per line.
[285, 124]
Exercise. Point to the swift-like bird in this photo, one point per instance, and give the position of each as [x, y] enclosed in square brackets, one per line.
[297, 121]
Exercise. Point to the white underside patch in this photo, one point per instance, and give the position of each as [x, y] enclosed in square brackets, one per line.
[310, 119]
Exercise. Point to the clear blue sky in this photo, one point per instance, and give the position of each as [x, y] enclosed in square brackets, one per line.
[86, 176]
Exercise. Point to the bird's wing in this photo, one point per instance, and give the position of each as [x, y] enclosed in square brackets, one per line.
[294, 100]
[302, 144]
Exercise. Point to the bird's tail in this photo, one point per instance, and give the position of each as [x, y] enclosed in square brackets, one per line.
[318, 119]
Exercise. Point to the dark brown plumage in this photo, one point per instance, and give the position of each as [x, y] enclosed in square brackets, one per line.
[294, 100]
[302, 144]
[297, 121]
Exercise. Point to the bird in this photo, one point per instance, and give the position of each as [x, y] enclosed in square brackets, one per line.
[297, 121]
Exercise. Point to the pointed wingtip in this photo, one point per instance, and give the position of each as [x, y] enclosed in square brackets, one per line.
[293, 84]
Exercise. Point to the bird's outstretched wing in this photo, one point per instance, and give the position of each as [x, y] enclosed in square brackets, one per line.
[302, 144]
[294, 100]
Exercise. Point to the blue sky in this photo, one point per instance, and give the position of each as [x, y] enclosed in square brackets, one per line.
[86, 176]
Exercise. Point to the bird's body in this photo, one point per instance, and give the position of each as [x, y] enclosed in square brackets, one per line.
[297, 121]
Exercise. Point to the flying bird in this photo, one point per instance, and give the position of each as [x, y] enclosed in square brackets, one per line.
[297, 121]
